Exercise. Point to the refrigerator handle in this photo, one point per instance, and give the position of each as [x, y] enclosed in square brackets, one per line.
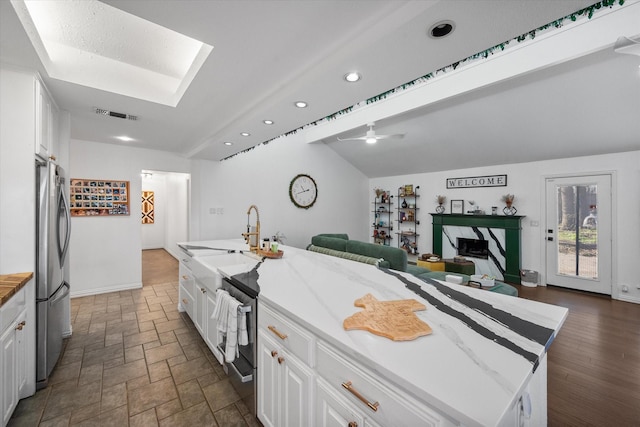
[62, 295]
[63, 209]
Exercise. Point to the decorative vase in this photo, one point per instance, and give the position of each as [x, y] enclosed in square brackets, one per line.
[440, 208]
[510, 209]
[404, 203]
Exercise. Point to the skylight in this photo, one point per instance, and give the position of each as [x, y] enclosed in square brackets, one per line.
[90, 43]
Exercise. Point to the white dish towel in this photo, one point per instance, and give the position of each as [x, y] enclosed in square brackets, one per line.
[231, 323]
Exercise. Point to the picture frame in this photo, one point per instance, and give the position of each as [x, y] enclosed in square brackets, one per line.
[457, 206]
[408, 190]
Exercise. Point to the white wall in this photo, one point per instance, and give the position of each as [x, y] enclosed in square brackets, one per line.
[177, 210]
[526, 181]
[17, 172]
[262, 177]
[105, 251]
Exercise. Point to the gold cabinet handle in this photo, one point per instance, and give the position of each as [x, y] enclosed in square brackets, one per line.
[277, 332]
[185, 277]
[352, 424]
[280, 360]
[184, 300]
[274, 353]
[373, 406]
[20, 325]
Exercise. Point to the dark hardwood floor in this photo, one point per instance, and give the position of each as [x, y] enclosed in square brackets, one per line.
[594, 363]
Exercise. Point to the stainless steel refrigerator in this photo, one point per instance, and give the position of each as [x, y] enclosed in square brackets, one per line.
[53, 228]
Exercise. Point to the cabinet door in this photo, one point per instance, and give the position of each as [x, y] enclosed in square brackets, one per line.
[296, 382]
[43, 120]
[213, 336]
[9, 394]
[334, 411]
[268, 381]
[22, 357]
[200, 308]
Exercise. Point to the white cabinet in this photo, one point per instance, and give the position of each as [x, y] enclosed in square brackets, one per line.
[285, 386]
[186, 287]
[199, 301]
[17, 350]
[199, 308]
[8, 366]
[46, 120]
[285, 376]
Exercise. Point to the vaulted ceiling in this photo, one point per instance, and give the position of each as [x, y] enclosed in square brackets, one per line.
[269, 54]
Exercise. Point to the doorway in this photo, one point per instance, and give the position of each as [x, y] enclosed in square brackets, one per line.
[578, 232]
[165, 222]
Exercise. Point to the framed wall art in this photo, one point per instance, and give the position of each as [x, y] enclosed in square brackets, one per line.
[457, 206]
[147, 207]
[93, 197]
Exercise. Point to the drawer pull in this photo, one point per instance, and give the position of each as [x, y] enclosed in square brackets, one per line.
[280, 360]
[184, 301]
[277, 332]
[185, 277]
[373, 406]
[274, 353]
[20, 325]
[352, 424]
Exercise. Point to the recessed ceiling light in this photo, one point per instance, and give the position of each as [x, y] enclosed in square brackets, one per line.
[228, 143]
[301, 104]
[267, 122]
[245, 134]
[352, 77]
[441, 29]
[125, 138]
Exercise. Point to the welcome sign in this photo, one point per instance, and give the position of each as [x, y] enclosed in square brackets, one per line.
[478, 181]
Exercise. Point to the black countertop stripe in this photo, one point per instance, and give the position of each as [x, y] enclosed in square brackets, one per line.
[475, 326]
[527, 329]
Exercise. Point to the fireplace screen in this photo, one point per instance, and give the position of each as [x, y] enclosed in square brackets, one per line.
[474, 248]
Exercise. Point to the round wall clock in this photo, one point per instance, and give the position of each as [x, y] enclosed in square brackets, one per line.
[303, 191]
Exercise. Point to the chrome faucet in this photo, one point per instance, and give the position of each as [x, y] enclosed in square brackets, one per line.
[248, 235]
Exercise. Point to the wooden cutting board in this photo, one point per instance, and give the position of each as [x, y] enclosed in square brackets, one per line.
[391, 319]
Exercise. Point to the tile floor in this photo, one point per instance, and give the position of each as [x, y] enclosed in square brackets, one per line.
[134, 360]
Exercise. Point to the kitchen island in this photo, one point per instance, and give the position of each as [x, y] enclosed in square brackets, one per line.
[483, 364]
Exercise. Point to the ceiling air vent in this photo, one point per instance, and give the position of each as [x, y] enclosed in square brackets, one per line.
[114, 114]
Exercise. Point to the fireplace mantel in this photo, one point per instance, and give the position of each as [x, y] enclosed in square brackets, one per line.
[510, 224]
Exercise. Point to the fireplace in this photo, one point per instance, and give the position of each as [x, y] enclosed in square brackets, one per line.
[474, 248]
[453, 233]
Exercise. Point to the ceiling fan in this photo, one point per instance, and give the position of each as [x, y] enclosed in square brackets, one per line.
[371, 138]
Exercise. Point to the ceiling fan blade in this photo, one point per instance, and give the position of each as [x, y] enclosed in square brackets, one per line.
[394, 136]
[360, 138]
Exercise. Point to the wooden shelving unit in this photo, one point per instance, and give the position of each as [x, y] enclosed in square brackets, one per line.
[382, 218]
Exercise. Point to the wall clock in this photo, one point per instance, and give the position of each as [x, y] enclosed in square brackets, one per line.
[303, 191]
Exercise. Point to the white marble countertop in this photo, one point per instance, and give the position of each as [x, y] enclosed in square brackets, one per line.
[474, 365]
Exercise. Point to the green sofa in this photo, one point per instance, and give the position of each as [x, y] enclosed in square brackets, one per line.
[340, 245]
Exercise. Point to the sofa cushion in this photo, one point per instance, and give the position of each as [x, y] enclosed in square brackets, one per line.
[336, 235]
[397, 257]
[347, 255]
[334, 243]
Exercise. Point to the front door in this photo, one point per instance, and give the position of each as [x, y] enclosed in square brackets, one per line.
[578, 233]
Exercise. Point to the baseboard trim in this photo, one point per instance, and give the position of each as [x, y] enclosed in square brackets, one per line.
[105, 290]
[628, 298]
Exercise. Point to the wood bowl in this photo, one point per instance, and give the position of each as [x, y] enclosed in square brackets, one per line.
[269, 254]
